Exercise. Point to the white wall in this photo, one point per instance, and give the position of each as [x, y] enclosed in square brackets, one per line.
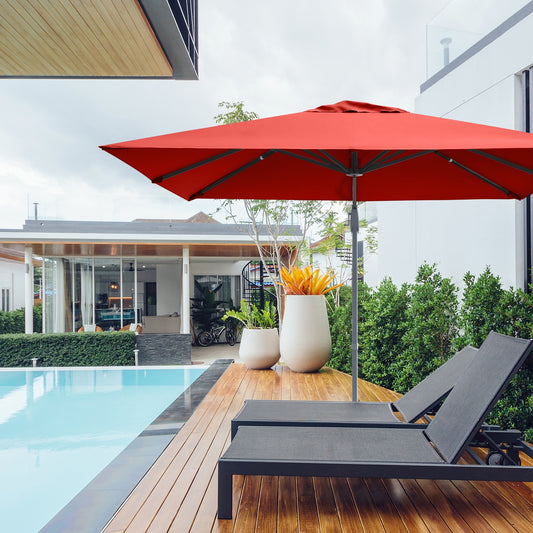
[168, 279]
[226, 268]
[463, 236]
[12, 278]
[459, 236]
[483, 73]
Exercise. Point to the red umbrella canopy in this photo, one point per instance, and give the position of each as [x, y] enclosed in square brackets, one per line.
[345, 151]
[315, 154]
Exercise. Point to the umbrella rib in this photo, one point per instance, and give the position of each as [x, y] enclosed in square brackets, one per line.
[503, 161]
[319, 162]
[334, 160]
[480, 176]
[380, 157]
[317, 156]
[164, 177]
[388, 161]
[326, 159]
[221, 180]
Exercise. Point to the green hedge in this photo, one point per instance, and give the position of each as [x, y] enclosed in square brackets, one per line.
[407, 332]
[14, 321]
[68, 349]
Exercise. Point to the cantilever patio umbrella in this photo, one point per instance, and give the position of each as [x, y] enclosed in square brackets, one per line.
[347, 151]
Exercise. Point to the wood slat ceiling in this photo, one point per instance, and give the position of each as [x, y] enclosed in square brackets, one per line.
[86, 249]
[73, 38]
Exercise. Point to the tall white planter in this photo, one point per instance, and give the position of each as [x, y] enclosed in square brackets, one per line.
[259, 348]
[305, 340]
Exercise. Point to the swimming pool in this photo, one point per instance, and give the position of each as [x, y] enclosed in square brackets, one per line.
[60, 427]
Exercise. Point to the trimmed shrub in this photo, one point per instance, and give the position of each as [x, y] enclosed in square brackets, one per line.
[431, 328]
[15, 322]
[340, 325]
[405, 333]
[68, 349]
[487, 306]
[381, 333]
[481, 309]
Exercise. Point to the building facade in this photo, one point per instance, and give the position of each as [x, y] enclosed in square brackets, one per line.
[480, 58]
[11, 279]
[112, 274]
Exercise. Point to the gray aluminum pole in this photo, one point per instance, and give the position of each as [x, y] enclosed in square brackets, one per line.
[355, 276]
[355, 310]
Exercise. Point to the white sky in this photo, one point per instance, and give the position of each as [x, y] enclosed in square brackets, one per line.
[281, 56]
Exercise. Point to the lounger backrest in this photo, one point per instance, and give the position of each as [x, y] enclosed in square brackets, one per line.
[430, 391]
[475, 393]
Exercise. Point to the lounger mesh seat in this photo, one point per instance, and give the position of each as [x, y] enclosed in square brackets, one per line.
[398, 452]
[418, 401]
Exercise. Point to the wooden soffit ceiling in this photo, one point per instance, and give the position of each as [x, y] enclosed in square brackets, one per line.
[79, 38]
[115, 249]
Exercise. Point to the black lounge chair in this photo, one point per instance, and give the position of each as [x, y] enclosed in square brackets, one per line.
[420, 400]
[377, 452]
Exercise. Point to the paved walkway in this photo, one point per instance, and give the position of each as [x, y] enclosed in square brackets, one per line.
[208, 354]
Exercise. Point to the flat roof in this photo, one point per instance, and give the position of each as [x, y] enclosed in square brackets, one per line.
[99, 39]
[137, 238]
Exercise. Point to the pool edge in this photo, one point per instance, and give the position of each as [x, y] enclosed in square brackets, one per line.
[94, 506]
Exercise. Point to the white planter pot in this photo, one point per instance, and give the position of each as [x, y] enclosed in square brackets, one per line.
[305, 341]
[259, 348]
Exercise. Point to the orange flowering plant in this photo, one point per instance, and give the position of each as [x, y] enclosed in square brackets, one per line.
[306, 281]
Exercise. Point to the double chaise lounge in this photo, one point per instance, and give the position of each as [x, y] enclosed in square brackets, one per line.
[419, 401]
[390, 450]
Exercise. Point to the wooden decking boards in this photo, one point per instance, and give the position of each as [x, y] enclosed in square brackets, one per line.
[179, 492]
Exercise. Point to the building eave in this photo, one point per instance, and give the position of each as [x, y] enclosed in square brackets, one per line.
[133, 39]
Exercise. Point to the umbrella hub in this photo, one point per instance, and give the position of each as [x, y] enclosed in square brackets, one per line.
[348, 106]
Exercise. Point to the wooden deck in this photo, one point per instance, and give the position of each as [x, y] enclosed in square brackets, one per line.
[179, 493]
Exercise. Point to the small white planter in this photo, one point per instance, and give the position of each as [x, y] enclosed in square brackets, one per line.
[305, 340]
[259, 348]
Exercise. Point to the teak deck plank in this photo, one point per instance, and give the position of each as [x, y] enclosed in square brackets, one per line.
[287, 505]
[327, 510]
[179, 492]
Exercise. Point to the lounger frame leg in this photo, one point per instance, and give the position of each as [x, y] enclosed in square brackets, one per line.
[225, 491]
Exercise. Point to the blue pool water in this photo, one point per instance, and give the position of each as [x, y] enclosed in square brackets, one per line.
[60, 427]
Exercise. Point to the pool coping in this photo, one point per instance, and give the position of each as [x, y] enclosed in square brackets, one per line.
[94, 506]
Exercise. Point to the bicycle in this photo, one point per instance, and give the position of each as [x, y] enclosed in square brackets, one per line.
[208, 337]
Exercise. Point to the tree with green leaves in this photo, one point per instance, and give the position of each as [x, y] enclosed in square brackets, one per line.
[381, 334]
[481, 309]
[431, 327]
[205, 308]
[268, 218]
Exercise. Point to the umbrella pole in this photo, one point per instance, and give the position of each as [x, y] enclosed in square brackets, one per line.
[355, 277]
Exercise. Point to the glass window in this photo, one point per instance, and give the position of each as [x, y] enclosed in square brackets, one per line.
[5, 300]
[107, 293]
[146, 288]
[229, 292]
[128, 291]
[83, 292]
[59, 293]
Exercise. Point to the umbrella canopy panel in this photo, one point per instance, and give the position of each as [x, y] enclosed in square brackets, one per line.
[309, 155]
